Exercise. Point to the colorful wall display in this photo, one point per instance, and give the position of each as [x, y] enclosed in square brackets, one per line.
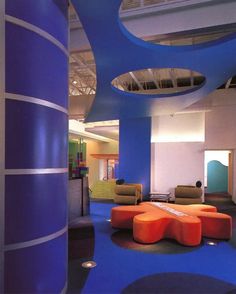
[77, 159]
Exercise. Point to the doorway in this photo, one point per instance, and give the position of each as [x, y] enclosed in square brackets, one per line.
[108, 169]
[218, 171]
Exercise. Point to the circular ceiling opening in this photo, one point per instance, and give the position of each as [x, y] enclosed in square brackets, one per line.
[159, 81]
[156, 34]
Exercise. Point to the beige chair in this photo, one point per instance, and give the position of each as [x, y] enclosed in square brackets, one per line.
[128, 194]
[188, 195]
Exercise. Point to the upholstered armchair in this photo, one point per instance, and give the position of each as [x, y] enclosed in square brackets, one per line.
[128, 194]
[188, 195]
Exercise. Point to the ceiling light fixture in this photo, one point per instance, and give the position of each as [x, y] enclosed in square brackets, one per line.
[74, 82]
[102, 124]
[89, 264]
[211, 243]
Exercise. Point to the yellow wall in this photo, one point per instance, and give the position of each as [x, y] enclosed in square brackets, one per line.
[95, 147]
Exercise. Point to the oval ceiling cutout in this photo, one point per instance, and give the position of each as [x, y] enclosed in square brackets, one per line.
[137, 7]
[159, 81]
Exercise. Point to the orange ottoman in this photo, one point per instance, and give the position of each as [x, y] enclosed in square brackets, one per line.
[186, 224]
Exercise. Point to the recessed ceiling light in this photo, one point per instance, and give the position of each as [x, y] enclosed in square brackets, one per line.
[211, 243]
[102, 124]
[74, 82]
[89, 264]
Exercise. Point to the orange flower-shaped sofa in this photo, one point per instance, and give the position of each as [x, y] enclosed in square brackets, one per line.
[186, 224]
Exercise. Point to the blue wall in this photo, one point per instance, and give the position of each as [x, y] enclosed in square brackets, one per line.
[135, 151]
[217, 177]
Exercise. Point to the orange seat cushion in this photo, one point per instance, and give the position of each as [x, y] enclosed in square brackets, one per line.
[186, 224]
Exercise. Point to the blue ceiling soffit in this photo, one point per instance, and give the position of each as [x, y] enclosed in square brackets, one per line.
[117, 51]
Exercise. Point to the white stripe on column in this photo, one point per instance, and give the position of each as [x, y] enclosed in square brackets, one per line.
[2, 141]
[34, 100]
[35, 242]
[36, 171]
[64, 290]
[37, 30]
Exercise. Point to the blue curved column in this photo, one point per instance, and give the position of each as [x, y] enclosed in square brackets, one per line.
[36, 139]
[135, 152]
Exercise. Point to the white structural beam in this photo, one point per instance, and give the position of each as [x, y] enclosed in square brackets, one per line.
[150, 72]
[136, 80]
[74, 86]
[173, 77]
[80, 60]
[120, 85]
[191, 78]
[78, 128]
[228, 83]
[84, 82]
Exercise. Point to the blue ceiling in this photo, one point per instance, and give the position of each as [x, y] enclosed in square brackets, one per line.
[117, 51]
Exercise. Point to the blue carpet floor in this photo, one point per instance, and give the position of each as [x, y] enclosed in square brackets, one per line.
[123, 266]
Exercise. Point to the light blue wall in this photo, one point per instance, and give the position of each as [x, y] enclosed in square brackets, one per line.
[135, 151]
[217, 177]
